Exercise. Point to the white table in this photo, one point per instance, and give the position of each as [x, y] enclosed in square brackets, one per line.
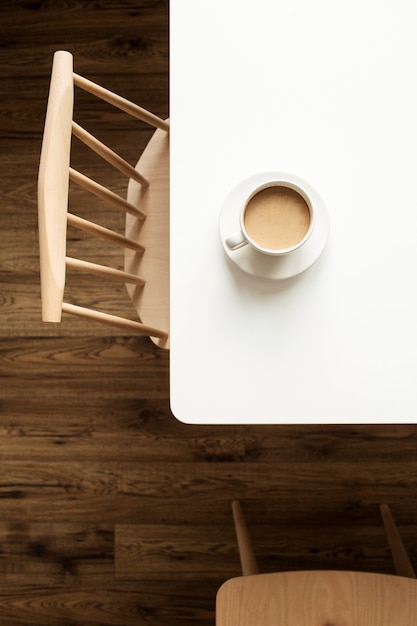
[324, 89]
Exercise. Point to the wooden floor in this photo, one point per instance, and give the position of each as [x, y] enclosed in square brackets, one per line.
[111, 511]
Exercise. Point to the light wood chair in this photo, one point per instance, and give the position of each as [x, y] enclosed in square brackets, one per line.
[146, 240]
[318, 598]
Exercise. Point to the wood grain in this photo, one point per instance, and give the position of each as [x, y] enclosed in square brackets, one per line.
[322, 598]
[111, 511]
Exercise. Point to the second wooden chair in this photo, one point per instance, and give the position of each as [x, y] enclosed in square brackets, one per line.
[318, 598]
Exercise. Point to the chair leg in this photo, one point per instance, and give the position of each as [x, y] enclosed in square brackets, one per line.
[399, 554]
[246, 553]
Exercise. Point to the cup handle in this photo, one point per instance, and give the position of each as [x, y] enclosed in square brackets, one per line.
[235, 241]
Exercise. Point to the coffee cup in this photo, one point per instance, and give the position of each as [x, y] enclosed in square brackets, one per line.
[276, 218]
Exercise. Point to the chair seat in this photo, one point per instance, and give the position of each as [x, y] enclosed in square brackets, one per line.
[152, 301]
[317, 598]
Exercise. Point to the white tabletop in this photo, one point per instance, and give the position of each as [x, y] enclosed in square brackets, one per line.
[326, 90]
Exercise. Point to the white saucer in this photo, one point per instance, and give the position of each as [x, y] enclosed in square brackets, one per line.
[263, 265]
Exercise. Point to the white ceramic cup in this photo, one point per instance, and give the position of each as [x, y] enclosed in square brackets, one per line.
[276, 218]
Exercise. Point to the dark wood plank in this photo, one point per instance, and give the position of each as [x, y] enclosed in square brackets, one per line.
[180, 492]
[161, 603]
[149, 552]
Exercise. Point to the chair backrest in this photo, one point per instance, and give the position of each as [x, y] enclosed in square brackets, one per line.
[55, 174]
[317, 598]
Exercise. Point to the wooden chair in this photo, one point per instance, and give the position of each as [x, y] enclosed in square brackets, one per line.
[318, 598]
[146, 240]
